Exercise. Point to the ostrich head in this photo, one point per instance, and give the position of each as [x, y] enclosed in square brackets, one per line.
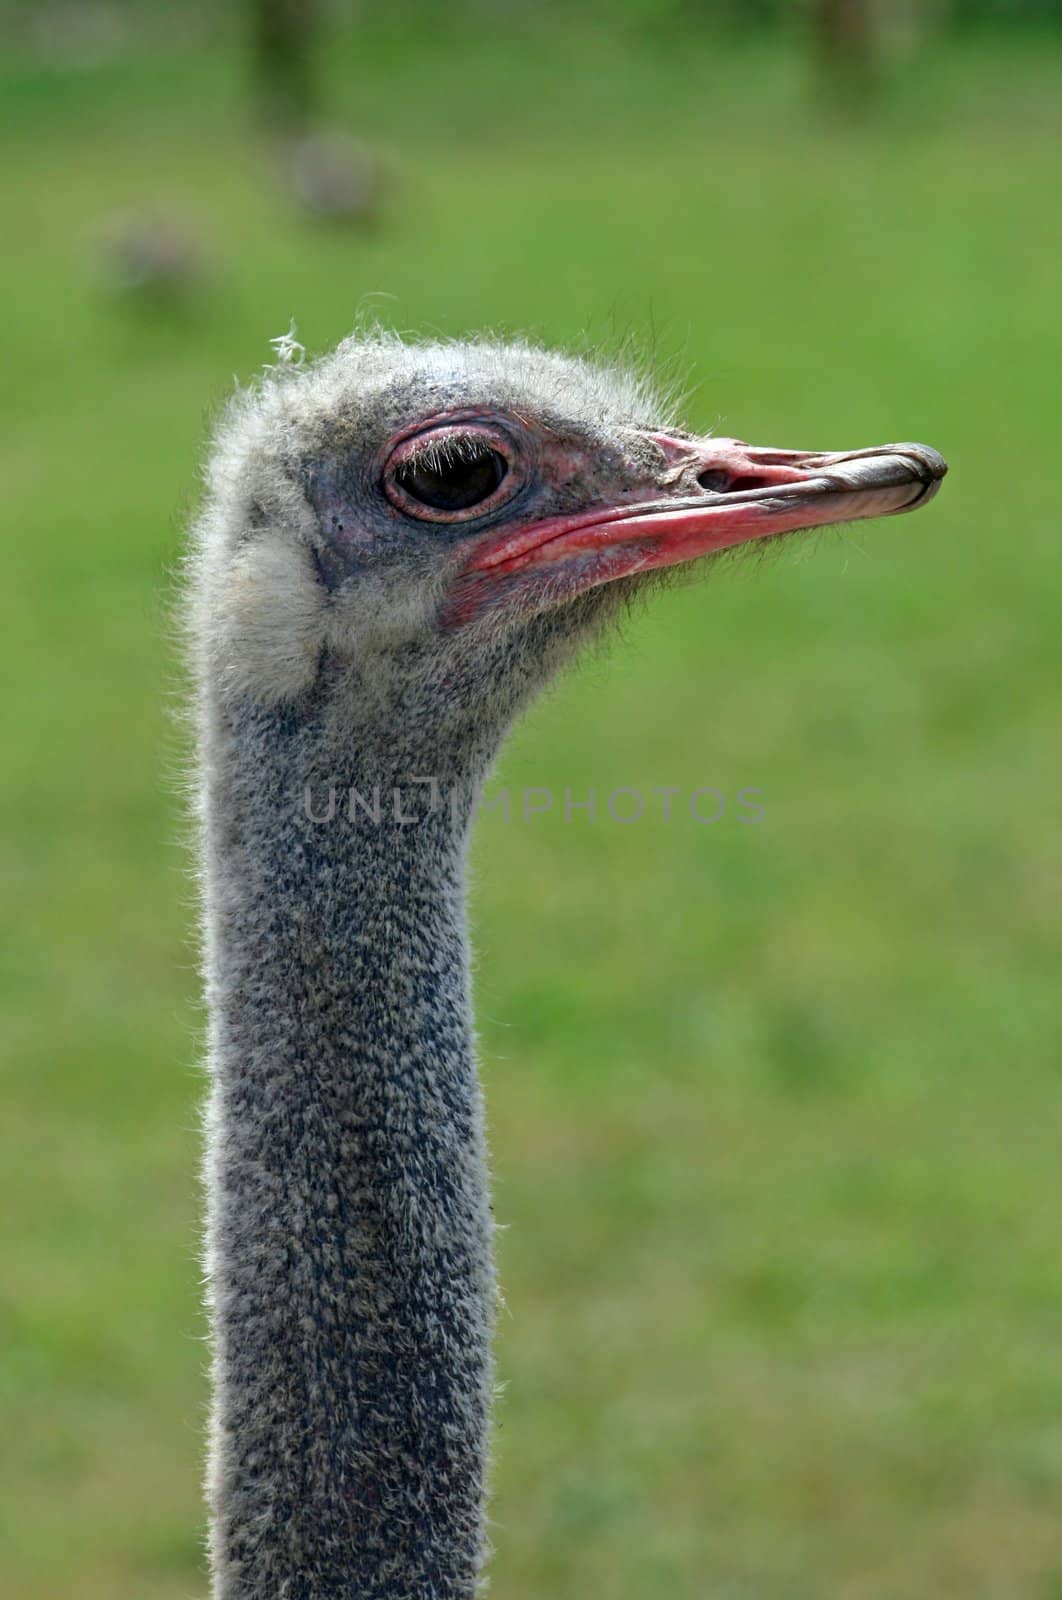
[440, 524]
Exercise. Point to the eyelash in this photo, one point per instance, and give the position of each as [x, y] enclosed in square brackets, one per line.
[436, 457]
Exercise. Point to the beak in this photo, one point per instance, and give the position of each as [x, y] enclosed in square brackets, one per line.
[726, 493]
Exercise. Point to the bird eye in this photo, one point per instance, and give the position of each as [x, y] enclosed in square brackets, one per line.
[453, 478]
[448, 475]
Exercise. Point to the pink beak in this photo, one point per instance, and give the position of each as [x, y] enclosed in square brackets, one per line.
[754, 493]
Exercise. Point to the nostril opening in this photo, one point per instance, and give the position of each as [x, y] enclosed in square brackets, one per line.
[717, 481]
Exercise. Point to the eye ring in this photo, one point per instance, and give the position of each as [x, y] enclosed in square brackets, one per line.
[455, 472]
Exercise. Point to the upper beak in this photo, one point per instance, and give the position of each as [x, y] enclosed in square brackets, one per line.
[724, 493]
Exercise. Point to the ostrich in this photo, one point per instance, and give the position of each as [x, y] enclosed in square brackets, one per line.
[400, 544]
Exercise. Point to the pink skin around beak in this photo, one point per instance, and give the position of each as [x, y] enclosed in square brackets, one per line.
[723, 493]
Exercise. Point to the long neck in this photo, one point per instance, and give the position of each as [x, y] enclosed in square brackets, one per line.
[349, 1227]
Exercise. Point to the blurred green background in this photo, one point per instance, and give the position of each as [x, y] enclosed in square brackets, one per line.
[775, 1109]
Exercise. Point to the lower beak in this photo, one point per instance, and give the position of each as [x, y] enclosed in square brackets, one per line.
[743, 493]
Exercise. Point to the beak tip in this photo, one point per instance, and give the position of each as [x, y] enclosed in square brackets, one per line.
[932, 463]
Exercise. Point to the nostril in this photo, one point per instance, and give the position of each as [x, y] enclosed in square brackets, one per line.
[717, 481]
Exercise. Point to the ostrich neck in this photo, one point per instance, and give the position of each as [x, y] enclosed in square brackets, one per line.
[349, 1227]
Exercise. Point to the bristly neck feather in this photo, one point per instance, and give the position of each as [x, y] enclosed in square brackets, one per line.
[349, 1237]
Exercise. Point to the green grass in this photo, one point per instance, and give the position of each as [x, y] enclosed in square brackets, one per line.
[774, 1108]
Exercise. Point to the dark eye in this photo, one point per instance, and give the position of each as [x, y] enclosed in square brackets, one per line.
[455, 477]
